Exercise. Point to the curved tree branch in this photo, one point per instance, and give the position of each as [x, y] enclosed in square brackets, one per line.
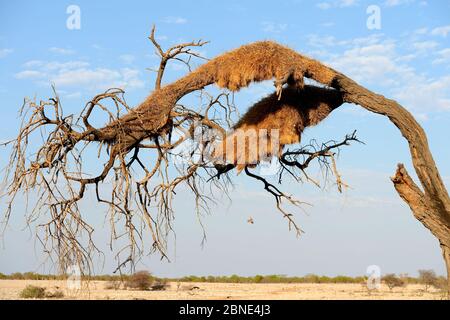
[155, 118]
[430, 206]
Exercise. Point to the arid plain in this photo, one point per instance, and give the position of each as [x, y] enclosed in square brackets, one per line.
[10, 289]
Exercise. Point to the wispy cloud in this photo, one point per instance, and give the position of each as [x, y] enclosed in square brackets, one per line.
[424, 46]
[61, 51]
[394, 3]
[174, 20]
[441, 31]
[79, 74]
[421, 31]
[127, 58]
[161, 37]
[382, 62]
[272, 27]
[443, 56]
[371, 63]
[29, 74]
[336, 4]
[424, 95]
[5, 51]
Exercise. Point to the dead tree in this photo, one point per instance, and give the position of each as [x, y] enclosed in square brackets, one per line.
[150, 126]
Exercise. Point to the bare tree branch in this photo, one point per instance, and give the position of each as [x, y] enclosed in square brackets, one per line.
[173, 53]
[150, 125]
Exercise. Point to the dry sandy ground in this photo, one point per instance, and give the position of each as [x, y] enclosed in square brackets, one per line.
[10, 289]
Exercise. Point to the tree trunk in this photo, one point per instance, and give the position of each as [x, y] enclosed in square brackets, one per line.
[430, 206]
[267, 60]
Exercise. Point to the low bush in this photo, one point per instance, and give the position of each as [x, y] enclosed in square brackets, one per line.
[428, 278]
[141, 280]
[32, 292]
[392, 281]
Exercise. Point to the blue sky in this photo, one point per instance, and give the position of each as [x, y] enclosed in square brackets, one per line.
[408, 59]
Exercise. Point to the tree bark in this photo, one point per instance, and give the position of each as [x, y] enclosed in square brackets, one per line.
[430, 206]
[267, 60]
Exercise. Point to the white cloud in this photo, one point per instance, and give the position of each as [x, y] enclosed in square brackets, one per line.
[127, 58]
[84, 77]
[29, 74]
[64, 66]
[79, 74]
[4, 52]
[393, 3]
[375, 61]
[330, 41]
[423, 30]
[443, 57]
[347, 3]
[272, 27]
[131, 79]
[98, 78]
[324, 5]
[33, 63]
[162, 37]
[61, 51]
[321, 41]
[441, 31]
[425, 45]
[421, 94]
[336, 4]
[174, 20]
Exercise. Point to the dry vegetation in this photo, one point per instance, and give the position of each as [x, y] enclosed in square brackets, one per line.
[139, 196]
[142, 285]
[11, 289]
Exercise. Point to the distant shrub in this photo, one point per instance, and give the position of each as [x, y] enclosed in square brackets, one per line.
[32, 292]
[235, 278]
[311, 278]
[141, 280]
[428, 278]
[342, 279]
[392, 281]
[16, 276]
[3, 276]
[106, 277]
[32, 276]
[441, 284]
[273, 278]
